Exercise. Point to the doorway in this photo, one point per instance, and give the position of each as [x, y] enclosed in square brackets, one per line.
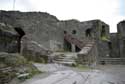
[21, 33]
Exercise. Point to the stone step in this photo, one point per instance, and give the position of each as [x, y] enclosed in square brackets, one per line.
[65, 60]
[62, 62]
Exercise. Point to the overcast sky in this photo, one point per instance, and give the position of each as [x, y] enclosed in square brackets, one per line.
[110, 11]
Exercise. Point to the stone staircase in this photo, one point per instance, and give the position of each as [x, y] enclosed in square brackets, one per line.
[74, 40]
[87, 51]
[65, 58]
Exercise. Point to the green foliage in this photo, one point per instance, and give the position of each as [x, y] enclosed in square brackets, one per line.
[15, 60]
[41, 60]
[37, 58]
[33, 72]
[18, 65]
[119, 35]
[104, 38]
[6, 39]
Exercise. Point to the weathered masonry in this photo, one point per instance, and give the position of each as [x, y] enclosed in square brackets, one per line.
[47, 32]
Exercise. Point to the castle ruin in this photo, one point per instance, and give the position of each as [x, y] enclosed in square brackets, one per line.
[24, 32]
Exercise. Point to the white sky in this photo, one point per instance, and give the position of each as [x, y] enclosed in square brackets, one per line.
[109, 11]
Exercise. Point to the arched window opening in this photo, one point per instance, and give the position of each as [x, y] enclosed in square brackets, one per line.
[88, 32]
[74, 32]
[65, 32]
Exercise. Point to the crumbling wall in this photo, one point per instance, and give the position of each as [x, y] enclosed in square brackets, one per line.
[32, 50]
[78, 29]
[47, 30]
[8, 39]
[43, 27]
[102, 39]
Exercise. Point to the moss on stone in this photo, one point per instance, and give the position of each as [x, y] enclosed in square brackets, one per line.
[15, 60]
[105, 38]
[16, 65]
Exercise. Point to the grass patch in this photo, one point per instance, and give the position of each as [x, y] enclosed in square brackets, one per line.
[82, 67]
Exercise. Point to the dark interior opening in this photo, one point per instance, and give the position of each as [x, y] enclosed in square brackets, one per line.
[88, 32]
[110, 45]
[103, 32]
[67, 46]
[73, 31]
[65, 32]
[21, 33]
[77, 49]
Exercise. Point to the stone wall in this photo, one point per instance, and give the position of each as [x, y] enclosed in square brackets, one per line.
[114, 45]
[89, 54]
[32, 50]
[121, 38]
[42, 26]
[47, 30]
[8, 39]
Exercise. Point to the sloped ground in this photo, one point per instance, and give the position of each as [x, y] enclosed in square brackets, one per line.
[14, 66]
[65, 75]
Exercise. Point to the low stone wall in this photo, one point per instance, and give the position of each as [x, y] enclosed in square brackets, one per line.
[88, 55]
[34, 51]
[112, 61]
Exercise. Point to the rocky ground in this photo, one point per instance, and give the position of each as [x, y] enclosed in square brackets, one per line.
[15, 66]
[58, 74]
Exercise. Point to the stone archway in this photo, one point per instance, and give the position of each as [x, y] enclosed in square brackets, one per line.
[21, 33]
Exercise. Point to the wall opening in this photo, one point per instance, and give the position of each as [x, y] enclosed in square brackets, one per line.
[21, 33]
[103, 32]
[110, 45]
[73, 31]
[67, 46]
[88, 32]
[77, 49]
[65, 32]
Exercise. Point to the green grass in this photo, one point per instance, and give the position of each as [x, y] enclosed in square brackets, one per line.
[82, 67]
